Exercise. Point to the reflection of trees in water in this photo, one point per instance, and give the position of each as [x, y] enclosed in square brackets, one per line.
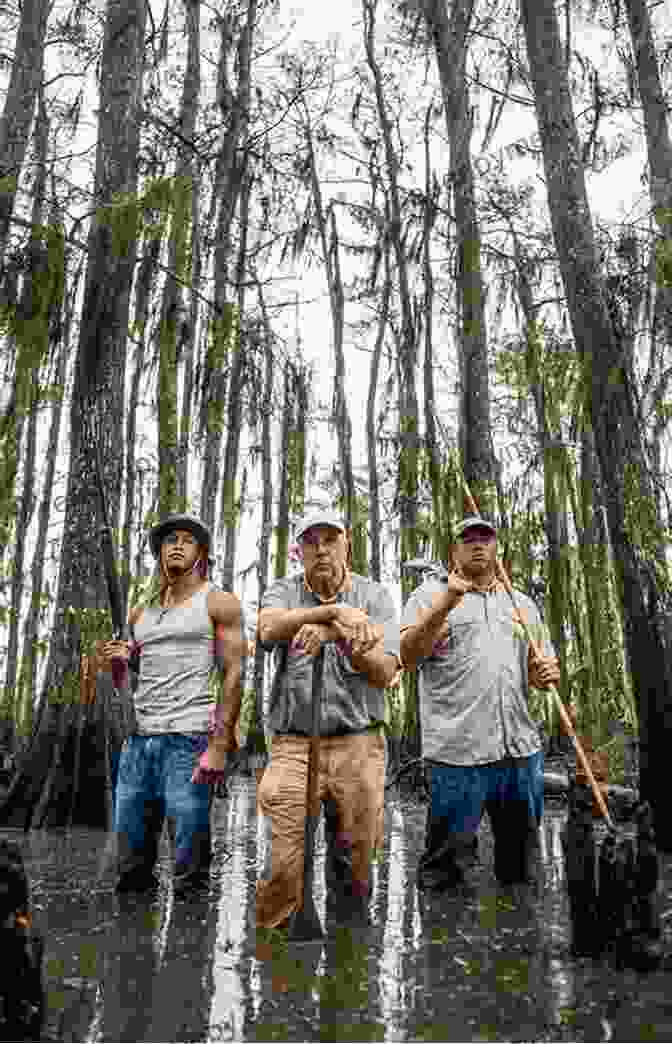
[175, 970]
[158, 979]
[550, 843]
[399, 902]
[233, 998]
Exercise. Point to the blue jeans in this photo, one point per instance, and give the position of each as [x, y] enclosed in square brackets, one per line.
[512, 793]
[154, 782]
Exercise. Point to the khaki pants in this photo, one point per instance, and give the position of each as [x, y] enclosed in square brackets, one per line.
[352, 778]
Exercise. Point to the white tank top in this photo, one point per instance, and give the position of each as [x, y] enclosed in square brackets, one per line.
[176, 663]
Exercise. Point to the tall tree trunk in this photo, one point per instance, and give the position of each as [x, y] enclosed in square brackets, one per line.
[659, 155]
[296, 474]
[42, 790]
[331, 257]
[637, 546]
[407, 359]
[230, 173]
[230, 515]
[553, 458]
[28, 407]
[171, 496]
[407, 336]
[282, 524]
[371, 426]
[266, 534]
[451, 45]
[30, 646]
[17, 115]
[654, 110]
[11, 698]
[147, 273]
[29, 323]
[440, 519]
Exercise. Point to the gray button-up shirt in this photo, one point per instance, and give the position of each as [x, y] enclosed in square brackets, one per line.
[349, 702]
[474, 686]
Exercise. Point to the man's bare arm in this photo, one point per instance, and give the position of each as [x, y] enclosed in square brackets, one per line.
[282, 625]
[418, 640]
[378, 667]
[225, 613]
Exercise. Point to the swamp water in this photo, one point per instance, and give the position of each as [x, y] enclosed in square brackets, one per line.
[495, 968]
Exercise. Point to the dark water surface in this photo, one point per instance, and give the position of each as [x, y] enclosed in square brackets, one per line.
[495, 968]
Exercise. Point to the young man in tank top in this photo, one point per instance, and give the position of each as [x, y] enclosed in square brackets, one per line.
[182, 738]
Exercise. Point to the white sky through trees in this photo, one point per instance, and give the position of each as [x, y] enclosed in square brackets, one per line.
[618, 192]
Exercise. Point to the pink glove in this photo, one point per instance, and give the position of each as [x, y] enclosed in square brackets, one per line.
[204, 774]
[119, 671]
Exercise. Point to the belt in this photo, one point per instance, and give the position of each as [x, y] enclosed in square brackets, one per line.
[376, 727]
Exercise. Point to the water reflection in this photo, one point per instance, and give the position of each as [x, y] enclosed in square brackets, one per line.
[494, 966]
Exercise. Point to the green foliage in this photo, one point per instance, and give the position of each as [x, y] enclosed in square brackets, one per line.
[9, 184]
[167, 414]
[132, 216]
[512, 974]
[296, 470]
[224, 338]
[582, 600]
[86, 626]
[281, 550]
[230, 503]
[360, 561]
[664, 248]
[164, 203]
[27, 323]
[145, 591]
[394, 710]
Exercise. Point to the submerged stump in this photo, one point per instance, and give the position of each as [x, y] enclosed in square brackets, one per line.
[578, 842]
[612, 888]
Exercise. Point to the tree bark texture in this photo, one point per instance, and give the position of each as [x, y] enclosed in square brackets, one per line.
[451, 44]
[407, 339]
[331, 256]
[147, 273]
[187, 346]
[231, 507]
[282, 524]
[17, 115]
[170, 329]
[628, 498]
[44, 783]
[230, 171]
[266, 534]
[371, 425]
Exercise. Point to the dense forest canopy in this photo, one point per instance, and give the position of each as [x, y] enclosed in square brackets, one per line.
[267, 257]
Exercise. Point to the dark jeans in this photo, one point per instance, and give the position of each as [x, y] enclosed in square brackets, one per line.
[512, 793]
[154, 782]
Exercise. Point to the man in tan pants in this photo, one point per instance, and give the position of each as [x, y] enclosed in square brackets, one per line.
[356, 621]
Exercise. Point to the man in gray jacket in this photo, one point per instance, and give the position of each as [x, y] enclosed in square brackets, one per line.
[356, 621]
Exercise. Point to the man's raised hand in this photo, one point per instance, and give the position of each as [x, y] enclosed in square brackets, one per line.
[456, 588]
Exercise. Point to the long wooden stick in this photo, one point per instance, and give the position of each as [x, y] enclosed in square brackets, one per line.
[305, 924]
[564, 716]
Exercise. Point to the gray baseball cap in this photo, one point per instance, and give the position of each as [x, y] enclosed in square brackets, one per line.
[190, 523]
[319, 518]
[472, 522]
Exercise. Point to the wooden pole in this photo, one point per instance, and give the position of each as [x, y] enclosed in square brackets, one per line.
[305, 924]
